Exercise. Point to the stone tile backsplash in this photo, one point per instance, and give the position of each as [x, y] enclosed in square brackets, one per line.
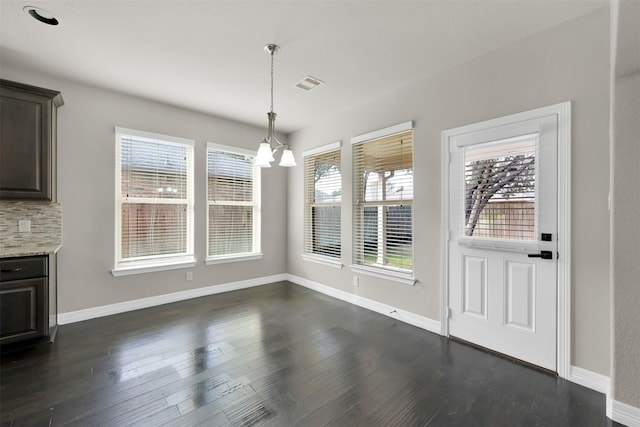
[46, 228]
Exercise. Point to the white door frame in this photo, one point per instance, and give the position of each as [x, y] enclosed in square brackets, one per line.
[563, 112]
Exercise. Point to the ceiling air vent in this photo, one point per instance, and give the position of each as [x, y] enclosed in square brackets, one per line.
[309, 83]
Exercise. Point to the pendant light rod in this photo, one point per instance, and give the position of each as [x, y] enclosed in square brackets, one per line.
[272, 50]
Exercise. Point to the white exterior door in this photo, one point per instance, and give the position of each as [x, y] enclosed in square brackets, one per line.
[502, 242]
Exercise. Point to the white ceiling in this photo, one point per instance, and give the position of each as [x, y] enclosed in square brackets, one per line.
[208, 55]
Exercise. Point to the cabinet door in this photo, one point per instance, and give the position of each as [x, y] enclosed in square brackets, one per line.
[22, 310]
[25, 145]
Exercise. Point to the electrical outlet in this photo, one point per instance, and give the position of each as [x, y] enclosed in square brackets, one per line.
[189, 275]
[24, 226]
[356, 281]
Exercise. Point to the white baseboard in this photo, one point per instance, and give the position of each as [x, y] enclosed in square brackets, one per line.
[623, 413]
[617, 411]
[396, 313]
[589, 379]
[121, 307]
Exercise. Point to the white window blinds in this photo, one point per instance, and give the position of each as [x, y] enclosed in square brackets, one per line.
[383, 201]
[233, 208]
[154, 197]
[323, 196]
[500, 189]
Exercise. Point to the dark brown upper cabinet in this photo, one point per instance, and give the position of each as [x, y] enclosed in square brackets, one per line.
[28, 119]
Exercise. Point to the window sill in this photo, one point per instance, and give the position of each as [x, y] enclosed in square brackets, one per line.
[396, 276]
[140, 268]
[522, 246]
[328, 261]
[233, 258]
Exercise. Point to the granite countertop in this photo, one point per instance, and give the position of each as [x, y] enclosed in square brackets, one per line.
[31, 250]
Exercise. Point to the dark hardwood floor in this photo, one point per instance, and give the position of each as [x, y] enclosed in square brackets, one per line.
[276, 355]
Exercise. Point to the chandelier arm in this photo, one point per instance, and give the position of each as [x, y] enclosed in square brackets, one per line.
[271, 135]
[279, 145]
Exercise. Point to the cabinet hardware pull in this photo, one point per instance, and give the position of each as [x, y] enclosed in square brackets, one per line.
[11, 270]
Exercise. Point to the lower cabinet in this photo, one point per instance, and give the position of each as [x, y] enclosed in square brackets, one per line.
[24, 308]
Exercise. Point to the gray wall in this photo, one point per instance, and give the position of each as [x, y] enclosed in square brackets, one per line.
[625, 371]
[567, 63]
[86, 189]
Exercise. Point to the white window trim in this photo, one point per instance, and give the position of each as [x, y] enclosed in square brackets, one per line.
[312, 257]
[322, 149]
[257, 208]
[154, 136]
[160, 263]
[233, 258]
[323, 260]
[139, 268]
[499, 244]
[380, 133]
[384, 272]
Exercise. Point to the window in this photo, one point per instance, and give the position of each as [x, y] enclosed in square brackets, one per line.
[154, 200]
[323, 195]
[233, 204]
[500, 189]
[383, 199]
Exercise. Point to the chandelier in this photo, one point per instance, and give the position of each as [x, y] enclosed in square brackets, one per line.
[270, 143]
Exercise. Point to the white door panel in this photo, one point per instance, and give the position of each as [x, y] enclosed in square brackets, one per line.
[475, 286]
[520, 295]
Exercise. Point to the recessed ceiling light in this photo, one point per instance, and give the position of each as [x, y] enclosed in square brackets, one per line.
[41, 15]
[309, 83]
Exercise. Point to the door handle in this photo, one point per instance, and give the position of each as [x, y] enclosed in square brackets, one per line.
[542, 254]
